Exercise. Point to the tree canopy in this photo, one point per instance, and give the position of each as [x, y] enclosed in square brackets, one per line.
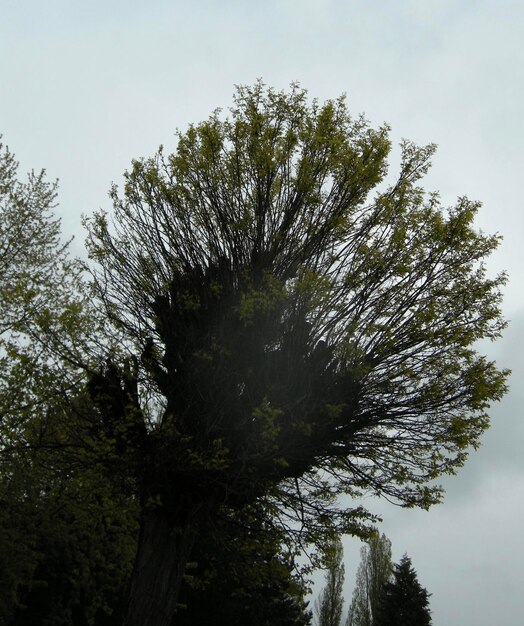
[290, 324]
[49, 334]
[271, 323]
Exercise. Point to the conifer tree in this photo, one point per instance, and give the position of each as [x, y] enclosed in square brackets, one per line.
[404, 601]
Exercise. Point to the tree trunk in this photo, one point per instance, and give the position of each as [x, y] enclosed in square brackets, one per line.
[161, 560]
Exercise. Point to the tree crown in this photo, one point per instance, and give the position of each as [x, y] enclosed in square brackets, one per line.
[295, 336]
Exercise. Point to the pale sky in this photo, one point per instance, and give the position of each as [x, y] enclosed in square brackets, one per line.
[87, 86]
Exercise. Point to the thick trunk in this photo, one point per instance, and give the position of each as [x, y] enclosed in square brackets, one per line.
[161, 560]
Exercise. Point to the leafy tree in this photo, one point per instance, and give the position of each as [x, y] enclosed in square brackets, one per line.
[30, 247]
[330, 602]
[77, 539]
[374, 571]
[30, 256]
[67, 534]
[404, 601]
[292, 334]
[48, 331]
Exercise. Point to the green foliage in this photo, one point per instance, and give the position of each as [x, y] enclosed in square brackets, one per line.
[72, 525]
[321, 330]
[29, 245]
[67, 534]
[48, 331]
[404, 601]
[72, 547]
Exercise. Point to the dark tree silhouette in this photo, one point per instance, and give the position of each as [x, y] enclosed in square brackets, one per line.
[240, 574]
[404, 601]
[290, 336]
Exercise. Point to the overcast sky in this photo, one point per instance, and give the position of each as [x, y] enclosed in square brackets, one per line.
[87, 86]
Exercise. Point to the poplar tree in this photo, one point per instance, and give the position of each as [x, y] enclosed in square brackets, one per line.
[373, 573]
[330, 602]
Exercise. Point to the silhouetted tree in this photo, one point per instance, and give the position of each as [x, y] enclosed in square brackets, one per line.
[240, 574]
[404, 601]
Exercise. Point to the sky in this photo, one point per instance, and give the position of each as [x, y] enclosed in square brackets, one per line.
[85, 87]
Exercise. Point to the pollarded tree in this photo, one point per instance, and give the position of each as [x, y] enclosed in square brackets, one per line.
[373, 573]
[404, 601]
[330, 602]
[293, 334]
